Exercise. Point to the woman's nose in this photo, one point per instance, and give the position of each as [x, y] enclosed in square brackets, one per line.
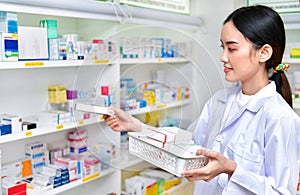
[224, 57]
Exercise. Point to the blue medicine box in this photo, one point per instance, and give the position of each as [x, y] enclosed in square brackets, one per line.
[5, 129]
[9, 47]
[8, 22]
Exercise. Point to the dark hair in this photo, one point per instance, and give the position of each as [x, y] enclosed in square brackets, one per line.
[262, 25]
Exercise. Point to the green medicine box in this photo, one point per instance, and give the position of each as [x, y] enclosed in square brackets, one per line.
[51, 26]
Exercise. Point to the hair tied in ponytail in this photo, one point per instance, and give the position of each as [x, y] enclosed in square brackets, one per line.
[281, 67]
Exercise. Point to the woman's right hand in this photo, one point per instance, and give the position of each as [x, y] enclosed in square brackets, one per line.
[122, 121]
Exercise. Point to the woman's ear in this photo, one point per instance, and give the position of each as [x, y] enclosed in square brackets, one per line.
[265, 53]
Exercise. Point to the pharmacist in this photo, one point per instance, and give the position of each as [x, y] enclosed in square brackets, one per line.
[250, 130]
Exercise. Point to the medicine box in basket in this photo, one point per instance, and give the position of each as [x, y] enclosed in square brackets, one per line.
[174, 156]
[171, 135]
[163, 135]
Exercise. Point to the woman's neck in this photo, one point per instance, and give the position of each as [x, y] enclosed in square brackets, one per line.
[252, 88]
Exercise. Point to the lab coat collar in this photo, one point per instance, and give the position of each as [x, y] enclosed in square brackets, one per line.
[229, 94]
[255, 103]
[258, 99]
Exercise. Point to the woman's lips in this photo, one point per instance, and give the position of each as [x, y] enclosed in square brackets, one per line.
[226, 69]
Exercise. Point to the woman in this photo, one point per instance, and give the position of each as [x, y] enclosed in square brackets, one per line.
[253, 148]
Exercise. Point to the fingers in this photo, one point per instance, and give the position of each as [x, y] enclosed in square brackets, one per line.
[112, 122]
[105, 116]
[116, 110]
[115, 126]
[196, 174]
[200, 152]
[190, 178]
[189, 173]
[207, 153]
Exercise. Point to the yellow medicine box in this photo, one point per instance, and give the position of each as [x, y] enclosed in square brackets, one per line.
[57, 94]
[295, 53]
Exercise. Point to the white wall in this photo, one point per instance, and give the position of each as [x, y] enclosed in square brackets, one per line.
[207, 49]
[213, 13]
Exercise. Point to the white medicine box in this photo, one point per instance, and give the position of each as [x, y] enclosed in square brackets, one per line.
[33, 43]
[15, 121]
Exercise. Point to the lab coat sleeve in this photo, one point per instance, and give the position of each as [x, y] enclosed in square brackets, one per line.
[280, 175]
[200, 126]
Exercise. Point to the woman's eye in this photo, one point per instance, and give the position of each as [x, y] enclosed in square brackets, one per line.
[227, 48]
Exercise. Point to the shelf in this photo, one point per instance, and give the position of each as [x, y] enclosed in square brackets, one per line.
[113, 167]
[82, 12]
[175, 189]
[39, 132]
[159, 107]
[127, 160]
[154, 60]
[77, 63]
[52, 64]
[79, 123]
[102, 11]
[291, 20]
[291, 60]
[77, 183]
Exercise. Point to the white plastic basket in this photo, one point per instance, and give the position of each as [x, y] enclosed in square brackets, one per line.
[172, 158]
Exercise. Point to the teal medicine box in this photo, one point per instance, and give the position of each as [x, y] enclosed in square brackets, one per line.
[51, 26]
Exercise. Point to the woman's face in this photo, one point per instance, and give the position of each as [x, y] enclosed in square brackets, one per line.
[239, 57]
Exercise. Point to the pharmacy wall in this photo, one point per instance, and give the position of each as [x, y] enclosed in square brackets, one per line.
[40, 85]
[208, 45]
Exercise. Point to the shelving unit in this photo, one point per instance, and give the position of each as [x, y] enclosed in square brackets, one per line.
[296, 63]
[291, 20]
[78, 183]
[159, 107]
[102, 11]
[79, 63]
[52, 64]
[30, 79]
[292, 23]
[291, 60]
[38, 132]
[154, 60]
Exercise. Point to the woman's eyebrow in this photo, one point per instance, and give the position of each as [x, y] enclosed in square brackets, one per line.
[229, 42]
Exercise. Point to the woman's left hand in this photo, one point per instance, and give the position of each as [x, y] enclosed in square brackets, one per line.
[217, 164]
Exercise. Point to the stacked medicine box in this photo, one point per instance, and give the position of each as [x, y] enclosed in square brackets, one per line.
[8, 36]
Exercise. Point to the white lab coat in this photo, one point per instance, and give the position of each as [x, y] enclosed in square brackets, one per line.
[261, 138]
